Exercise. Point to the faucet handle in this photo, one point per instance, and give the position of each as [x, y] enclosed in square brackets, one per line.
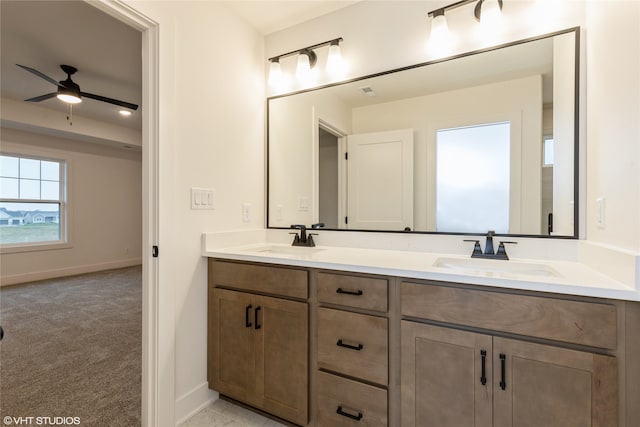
[310, 241]
[477, 249]
[501, 249]
[317, 225]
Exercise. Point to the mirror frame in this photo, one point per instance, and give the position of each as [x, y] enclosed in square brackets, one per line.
[576, 132]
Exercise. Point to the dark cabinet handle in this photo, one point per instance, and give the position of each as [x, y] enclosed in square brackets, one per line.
[342, 291]
[348, 415]
[483, 375]
[352, 347]
[247, 322]
[503, 362]
[258, 326]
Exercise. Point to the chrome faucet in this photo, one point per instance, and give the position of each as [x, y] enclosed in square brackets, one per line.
[304, 239]
[488, 248]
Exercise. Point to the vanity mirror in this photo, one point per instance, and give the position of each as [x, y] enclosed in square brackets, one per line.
[483, 141]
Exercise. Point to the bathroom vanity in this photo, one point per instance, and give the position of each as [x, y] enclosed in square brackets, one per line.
[412, 350]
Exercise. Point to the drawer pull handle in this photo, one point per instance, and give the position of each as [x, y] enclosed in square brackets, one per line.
[348, 415]
[342, 291]
[503, 362]
[352, 347]
[247, 322]
[483, 375]
[258, 326]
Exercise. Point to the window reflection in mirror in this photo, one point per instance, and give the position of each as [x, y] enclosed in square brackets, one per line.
[473, 184]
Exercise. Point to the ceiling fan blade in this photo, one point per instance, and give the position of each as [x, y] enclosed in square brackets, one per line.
[110, 100]
[39, 74]
[42, 97]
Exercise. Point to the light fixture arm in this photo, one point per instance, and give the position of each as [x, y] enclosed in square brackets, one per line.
[477, 11]
[308, 48]
[442, 10]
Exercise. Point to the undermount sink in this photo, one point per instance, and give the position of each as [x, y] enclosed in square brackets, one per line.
[495, 267]
[293, 251]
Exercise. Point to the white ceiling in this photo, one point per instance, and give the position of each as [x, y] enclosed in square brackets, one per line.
[45, 34]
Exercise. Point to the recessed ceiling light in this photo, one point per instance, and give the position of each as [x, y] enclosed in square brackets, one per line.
[125, 113]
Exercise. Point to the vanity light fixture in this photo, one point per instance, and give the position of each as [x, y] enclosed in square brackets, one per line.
[125, 113]
[485, 11]
[307, 60]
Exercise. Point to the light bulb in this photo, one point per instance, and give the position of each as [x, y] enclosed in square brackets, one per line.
[303, 69]
[275, 73]
[335, 66]
[439, 29]
[491, 12]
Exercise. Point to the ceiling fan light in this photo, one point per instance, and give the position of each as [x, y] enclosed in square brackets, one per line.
[68, 95]
[69, 99]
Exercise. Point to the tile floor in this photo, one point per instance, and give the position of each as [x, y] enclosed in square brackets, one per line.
[225, 414]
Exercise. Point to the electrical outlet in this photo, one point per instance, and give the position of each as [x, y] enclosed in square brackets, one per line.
[246, 212]
[600, 218]
[303, 204]
[279, 210]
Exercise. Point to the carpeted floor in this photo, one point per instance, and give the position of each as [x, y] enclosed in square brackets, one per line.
[72, 348]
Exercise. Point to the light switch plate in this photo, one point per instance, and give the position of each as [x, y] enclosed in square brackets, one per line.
[246, 212]
[600, 212]
[203, 198]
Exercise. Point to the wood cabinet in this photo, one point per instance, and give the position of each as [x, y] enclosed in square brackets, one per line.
[414, 353]
[352, 350]
[258, 351]
[453, 377]
[521, 341]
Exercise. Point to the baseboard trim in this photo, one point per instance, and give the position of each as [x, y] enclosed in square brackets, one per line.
[193, 402]
[32, 276]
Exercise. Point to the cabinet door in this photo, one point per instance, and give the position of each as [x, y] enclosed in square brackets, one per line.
[231, 368]
[552, 387]
[282, 348]
[442, 377]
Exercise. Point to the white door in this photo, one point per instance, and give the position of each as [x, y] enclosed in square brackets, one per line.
[380, 180]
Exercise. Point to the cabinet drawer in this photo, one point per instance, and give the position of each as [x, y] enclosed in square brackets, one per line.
[351, 291]
[260, 278]
[353, 344]
[579, 322]
[343, 402]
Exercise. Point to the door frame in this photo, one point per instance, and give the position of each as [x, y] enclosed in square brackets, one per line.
[158, 400]
[319, 122]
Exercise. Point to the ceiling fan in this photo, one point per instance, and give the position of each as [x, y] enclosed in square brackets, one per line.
[69, 91]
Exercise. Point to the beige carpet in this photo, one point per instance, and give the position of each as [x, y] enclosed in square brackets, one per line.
[72, 348]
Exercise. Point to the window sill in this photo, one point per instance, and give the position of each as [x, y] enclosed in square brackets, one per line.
[34, 247]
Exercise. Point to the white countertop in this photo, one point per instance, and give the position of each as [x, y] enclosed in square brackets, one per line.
[563, 277]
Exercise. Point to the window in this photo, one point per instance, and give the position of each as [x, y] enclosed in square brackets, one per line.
[472, 178]
[547, 151]
[32, 201]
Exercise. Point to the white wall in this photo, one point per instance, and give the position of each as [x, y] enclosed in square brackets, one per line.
[613, 121]
[211, 107]
[384, 35]
[292, 164]
[105, 189]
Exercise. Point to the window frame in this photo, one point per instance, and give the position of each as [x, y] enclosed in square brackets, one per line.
[66, 236]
